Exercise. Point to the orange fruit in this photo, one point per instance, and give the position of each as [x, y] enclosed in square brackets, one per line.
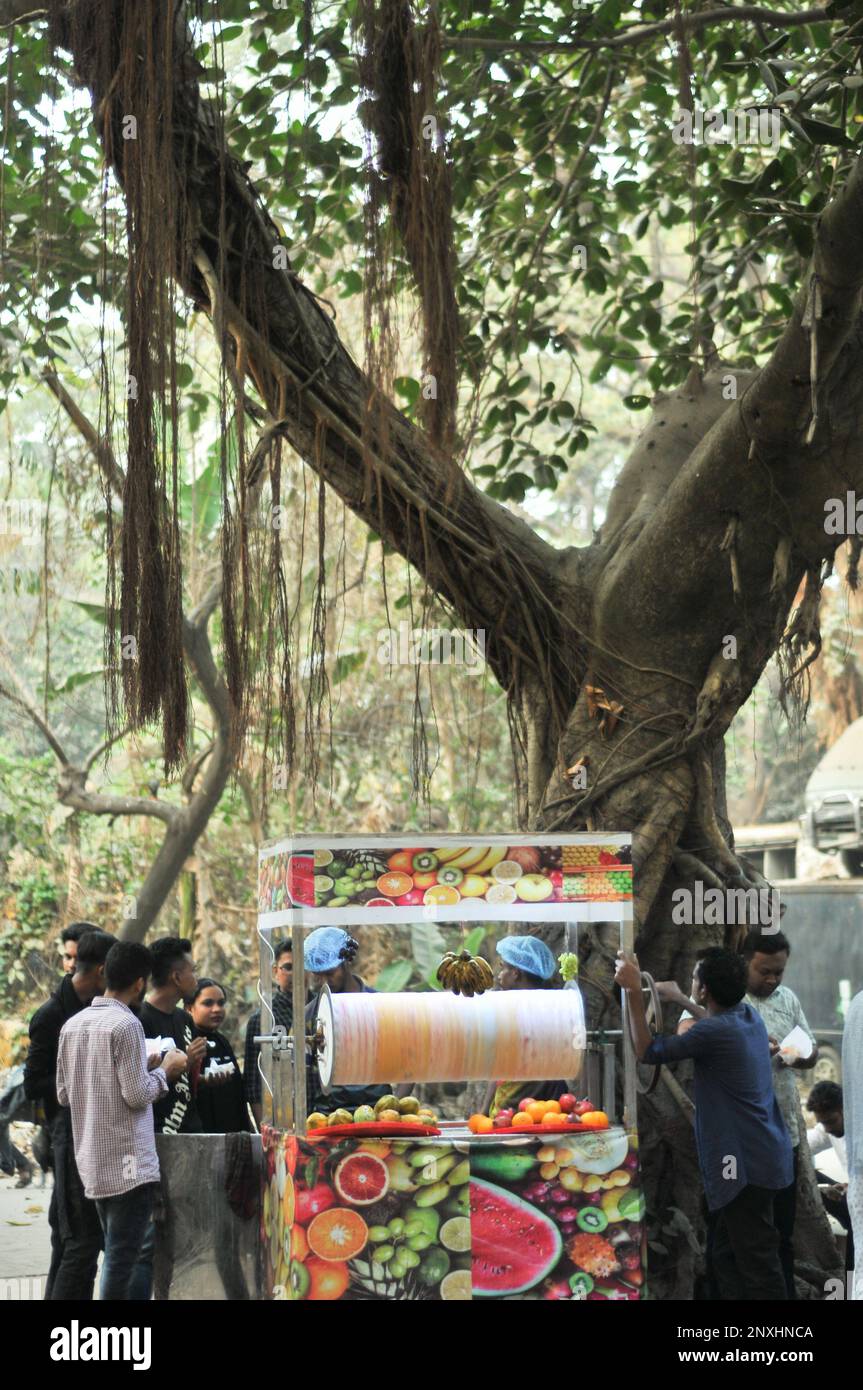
[394, 884]
[552, 1107]
[441, 895]
[536, 1111]
[299, 1243]
[551, 1117]
[480, 1124]
[337, 1234]
[522, 1120]
[329, 1279]
[594, 1119]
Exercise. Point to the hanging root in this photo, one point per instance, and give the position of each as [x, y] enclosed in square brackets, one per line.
[852, 573]
[399, 66]
[141, 58]
[705, 814]
[799, 648]
[729, 544]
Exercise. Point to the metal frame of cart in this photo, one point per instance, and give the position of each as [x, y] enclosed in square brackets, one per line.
[286, 1093]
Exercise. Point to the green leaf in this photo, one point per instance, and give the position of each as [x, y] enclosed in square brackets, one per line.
[823, 134]
[768, 76]
[79, 678]
[394, 977]
[345, 663]
[636, 402]
[427, 945]
[407, 388]
[95, 611]
[474, 939]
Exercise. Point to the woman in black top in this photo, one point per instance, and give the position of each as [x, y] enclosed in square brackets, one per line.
[221, 1104]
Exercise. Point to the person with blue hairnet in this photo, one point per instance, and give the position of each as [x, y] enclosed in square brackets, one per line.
[526, 963]
[328, 955]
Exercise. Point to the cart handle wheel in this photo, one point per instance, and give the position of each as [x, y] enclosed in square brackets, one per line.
[647, 1076]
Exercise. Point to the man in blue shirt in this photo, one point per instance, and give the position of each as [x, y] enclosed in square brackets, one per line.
[744, 1150]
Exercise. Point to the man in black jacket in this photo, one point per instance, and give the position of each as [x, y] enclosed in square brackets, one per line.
[76, 1232]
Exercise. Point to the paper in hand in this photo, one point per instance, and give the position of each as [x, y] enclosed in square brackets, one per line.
[797, 1044]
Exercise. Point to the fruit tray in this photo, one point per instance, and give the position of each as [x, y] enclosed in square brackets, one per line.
[563, 1128]
[496, 1135]
[371, 1128]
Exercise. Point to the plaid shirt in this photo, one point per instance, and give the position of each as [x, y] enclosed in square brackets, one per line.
[102, 1076]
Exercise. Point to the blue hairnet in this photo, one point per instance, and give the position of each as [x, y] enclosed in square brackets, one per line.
[527, 953]
[323, 949]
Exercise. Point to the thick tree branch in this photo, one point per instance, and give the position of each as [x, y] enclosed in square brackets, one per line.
[491, 568]
[636, 34]
[71, 791]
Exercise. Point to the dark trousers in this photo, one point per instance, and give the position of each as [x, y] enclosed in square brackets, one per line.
[127, 1221]
[76, 1232]
[838, 1208]
[784, 1213]
[745, 1248]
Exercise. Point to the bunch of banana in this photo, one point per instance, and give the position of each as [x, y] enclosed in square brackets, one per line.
[475, 859]
[465, 974]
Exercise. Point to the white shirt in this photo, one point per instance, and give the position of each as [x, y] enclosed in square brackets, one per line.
[819, 1140]
[781, 1011]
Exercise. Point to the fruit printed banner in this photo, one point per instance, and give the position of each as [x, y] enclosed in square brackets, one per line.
[316, 880]
[550, 1219]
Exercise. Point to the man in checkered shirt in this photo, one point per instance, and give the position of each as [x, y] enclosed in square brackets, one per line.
[107, 1080]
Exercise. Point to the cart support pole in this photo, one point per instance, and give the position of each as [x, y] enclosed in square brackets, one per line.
[630, 1091]
[298, 1052]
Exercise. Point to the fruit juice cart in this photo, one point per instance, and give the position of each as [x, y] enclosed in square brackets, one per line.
[547, 1206]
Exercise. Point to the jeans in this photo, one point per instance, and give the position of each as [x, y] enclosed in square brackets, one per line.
[784, 1214]
[127, 1220]
[745, 1253]
[76, 1231]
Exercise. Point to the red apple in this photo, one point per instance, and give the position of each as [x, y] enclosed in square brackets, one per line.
[568, 1102]
[313, 1200]
[414, 898]
[583, 1107]
[528, 1100]
[502, 1121]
